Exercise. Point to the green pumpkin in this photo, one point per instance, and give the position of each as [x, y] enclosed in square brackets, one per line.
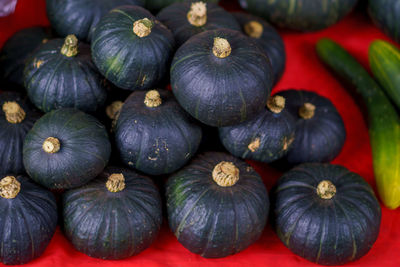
[132, 49]
[386, 16]
[157, 5]
[217, 205]
[60, 74]
[221, 77]
[115, 216]
[301, 15]
[66, 148]
[326, 214]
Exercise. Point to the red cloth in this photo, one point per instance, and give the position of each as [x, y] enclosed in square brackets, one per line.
[303, 70]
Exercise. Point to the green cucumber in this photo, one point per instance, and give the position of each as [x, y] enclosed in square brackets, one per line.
[384, 122]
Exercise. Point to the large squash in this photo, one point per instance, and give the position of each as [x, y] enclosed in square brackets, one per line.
[157, 5]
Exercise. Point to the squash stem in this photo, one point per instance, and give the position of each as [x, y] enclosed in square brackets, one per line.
[276, 104]
[51, 145]
[9, 187]
[326, 189]
[13, 111]
[254, 29]
[225, 174]
[152, 99]
[113, 109]
[115, 182]
[142, 27]
[197, 15]
[221, 48]
[70, 47]
[307, 111]
[254, 145]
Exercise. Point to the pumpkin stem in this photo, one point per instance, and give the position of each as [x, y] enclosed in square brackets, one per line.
[14, 112]
[254, 145]
[225, 174]
[9, 187]
[307, 111]
[254, 29]
[276, 104]
[221, 48]
[142, 27]
[115, 182]
[152, 99]
[70, 47]
[197, 15]
[51, 145]
[326, 189]
[113, 110]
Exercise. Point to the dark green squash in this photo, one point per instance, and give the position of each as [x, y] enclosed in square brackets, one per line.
[28, 219]
[221, 77]
[80, 17]
[17, 49]
[320, 132]
[189, 18]
[386, 16]
[157, 5]
[132, 49]
[265, 138]
[66, 148]
[154, 134]
[302, 15]
[217, 205]
[326, 214]
[267, 37]
[115, 216]
[16, 119]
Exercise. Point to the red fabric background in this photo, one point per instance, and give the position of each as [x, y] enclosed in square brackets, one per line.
[303, 70]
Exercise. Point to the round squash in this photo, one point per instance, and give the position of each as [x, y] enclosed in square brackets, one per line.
[301, 15]
[193, 17]
[66, 148]
[17, 49]
[217, 205]
[265, 138]
[386, 16]
[221, 77]
[115, 216]
[132, 49]
[28, 219]
[320, 132]
[80, 17]
[16, 119]
[326, 214]
[157, 5]
[268, 38]
[154, 134]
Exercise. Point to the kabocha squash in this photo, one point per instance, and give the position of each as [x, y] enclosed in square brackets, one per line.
[115, 216]
[268, 38]
[217, 205]
[265, 138]
[192, 17]
[28, 219]
[302, 15]
[16, 119]
[221, 77]
[326, 214]
[17, 49]
[320, 133]
[386, 16]
[60, 74]
[156, 5]
[132, 49]
[80, 17]
[66, 148]
[154, 134]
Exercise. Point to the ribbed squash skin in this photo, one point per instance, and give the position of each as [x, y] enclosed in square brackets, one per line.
[54, 80]
[84, 149]
[108, 225]
[80, 17]
[156, 140]
[302, 15]
[221, 91]
[211, 220]
[326, 231]
[156, 5]
[175, 18]
[386, 16]
[127, 60]
[27, 223]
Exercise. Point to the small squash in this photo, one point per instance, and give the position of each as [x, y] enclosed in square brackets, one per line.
[28, 219]
[132, 49]
[326, 214]
[221, 77]
[66, 148]
[157, 5]
[154, 134]
[386, 16]
[217, 205]
[265, 138]
[189, 18]
[115, 216]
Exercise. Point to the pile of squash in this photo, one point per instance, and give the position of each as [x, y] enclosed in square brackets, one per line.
[87, 115]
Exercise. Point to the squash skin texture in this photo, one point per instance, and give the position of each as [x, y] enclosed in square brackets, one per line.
[84, 149]
[385, 14]
[211, 220]
[326, 231]
[157, 5]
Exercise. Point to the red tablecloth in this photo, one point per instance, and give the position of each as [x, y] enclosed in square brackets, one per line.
[303, 70]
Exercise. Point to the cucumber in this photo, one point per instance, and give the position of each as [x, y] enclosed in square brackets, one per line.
[384, 122]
